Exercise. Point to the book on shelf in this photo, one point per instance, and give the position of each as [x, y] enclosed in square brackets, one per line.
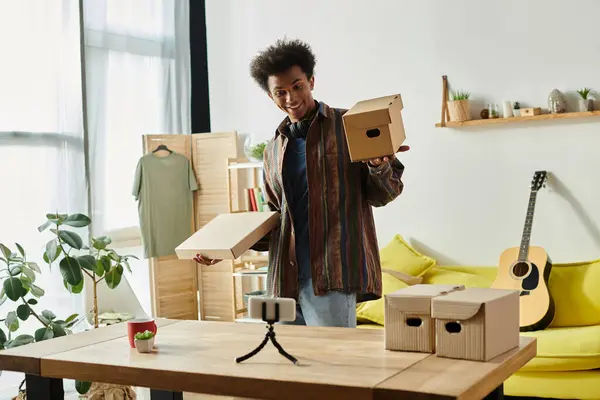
[255, 200]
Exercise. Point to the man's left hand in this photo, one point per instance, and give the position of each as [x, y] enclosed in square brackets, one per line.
[376, 162]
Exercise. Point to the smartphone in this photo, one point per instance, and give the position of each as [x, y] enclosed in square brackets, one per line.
[287, 308]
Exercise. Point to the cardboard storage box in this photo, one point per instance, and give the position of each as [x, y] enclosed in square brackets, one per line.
[477, 323]
[374, 128]
[228, 236]
[408, 323]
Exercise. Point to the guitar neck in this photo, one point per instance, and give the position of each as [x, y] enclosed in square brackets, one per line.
[524, 249]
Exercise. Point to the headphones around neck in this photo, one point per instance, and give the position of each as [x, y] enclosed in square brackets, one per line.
[299, 129]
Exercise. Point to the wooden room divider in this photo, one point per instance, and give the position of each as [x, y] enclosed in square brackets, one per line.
[175, 284]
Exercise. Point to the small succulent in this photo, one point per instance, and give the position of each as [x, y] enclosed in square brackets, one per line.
[460, 95]
[146, 335]
[517, 106]
[584, 93]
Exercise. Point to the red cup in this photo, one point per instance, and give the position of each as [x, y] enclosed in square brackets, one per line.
[139, 325]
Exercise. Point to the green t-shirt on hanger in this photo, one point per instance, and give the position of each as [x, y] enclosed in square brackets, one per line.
[163, 187]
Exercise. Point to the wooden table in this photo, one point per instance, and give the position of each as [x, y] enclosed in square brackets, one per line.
[199, 357]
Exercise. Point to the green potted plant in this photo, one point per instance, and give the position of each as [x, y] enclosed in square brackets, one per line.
[459, 108]
[586, 103]
[254, 149]
[517, 109]
[144, 341]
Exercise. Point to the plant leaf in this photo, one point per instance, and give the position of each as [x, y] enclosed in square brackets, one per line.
[49, 315]
[34, 267]
[37, 291]
[87, 262]
[71, 317]
[82, 387]
[74, 289]
[15, 270]
[127, 265]
[52, 251]
[71, 238]
[20, 340]
[77, 220]
[6, 251]
[13, 287]
[58, 330]
[12, 322]
[33, 302]
[113, 277]
[28, 273]
[23, 312]
[2, 336]
[21, 250]
[70, 270]
[44, 226]
[44, 333]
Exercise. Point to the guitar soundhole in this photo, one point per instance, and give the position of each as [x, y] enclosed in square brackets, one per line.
[520, 269]
[414, 322]
[453, 327]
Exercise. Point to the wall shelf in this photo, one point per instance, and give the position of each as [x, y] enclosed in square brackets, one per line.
[446, 123]
[542, 117]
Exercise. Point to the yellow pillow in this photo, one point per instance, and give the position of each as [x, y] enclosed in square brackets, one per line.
[443, 276]
[374, 311]
[399, 256]
[575, 289]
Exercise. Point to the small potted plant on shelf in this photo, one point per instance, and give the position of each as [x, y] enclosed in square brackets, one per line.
[459, 108]
[585, 103]
[517, 109]
[144, 341]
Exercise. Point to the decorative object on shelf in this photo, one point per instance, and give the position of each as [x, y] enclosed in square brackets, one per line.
[254, 149]
[556, 102]
[531, 111]
[144, 341]
[111, 318]
[459, 108]
[507, 109]
[585, 103]
[493, 111]
[484, 114]
[517, 109]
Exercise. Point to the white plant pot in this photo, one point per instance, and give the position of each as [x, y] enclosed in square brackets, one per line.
[144, 346]
[517, 112]
[586, 105]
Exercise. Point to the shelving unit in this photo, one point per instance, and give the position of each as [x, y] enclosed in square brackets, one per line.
[446, 123]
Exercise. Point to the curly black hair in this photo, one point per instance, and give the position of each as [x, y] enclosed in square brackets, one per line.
[280, 57]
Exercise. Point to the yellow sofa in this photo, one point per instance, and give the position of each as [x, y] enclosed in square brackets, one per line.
[567, 365]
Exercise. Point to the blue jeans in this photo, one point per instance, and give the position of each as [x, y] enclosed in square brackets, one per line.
[333, 309]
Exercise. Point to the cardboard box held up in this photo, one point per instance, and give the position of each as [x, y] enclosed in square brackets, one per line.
[374, 128]
[228, 236]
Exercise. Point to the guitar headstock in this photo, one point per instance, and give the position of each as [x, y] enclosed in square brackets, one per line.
[539, 180]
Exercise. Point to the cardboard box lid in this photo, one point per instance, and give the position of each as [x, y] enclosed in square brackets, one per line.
[228, 236]
[416, 299]
[373, 112]
[465, 304]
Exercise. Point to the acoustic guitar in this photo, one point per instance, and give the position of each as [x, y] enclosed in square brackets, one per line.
[527, 269]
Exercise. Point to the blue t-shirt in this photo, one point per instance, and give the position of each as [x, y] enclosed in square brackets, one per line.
[297, 189]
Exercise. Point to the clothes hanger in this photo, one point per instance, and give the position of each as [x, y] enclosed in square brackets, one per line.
[162, 147]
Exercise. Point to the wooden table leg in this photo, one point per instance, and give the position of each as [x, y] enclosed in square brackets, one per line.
[163, 395]
[40, 388]
[496, 394]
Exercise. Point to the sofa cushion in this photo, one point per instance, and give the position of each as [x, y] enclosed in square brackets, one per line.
[583, 385]
[399, 256]
[566, 349]
[374, 311]
[446, 276]
[575, 288]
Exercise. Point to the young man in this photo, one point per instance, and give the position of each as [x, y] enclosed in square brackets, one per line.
[324, 253]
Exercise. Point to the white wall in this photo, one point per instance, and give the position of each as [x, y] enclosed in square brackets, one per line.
[466, 190]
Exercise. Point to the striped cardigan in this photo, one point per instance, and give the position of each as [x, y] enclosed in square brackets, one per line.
[343, 245]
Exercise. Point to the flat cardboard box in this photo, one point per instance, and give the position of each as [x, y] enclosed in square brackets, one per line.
[374, 128]
[228, 236]
[476, 324]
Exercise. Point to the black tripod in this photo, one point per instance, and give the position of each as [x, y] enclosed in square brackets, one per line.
[270, 335]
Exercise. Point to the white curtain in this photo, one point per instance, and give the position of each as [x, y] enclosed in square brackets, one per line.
[138, 82]
[42, 166]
